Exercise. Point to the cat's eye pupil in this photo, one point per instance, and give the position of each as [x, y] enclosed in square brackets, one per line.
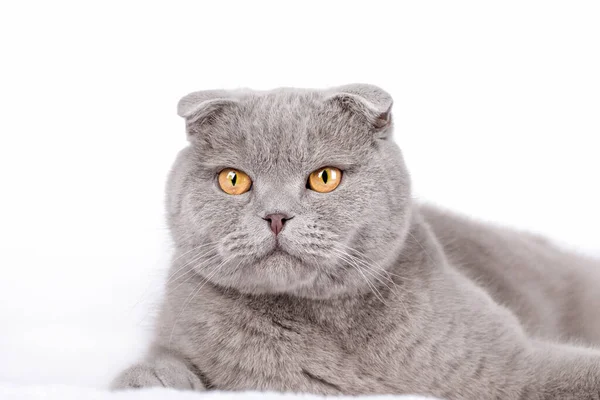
[232, 176]
[324, 176]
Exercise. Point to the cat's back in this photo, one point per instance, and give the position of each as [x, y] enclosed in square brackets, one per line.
[552, 291]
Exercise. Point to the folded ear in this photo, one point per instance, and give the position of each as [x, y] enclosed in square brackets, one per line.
[200, 108]
[368, 101]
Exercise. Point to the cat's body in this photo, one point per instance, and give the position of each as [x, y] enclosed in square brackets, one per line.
[554, 293]
[362, 292]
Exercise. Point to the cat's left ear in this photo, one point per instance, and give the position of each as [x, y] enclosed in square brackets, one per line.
[201, 104]
[368, 101]
[204, 109]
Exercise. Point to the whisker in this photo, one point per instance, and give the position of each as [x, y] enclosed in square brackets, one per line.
[367, 267]
[193, 269]
[381, 271]
[195, 259]
[147, 290]
[195, 248]
[370, 268]
[422, 248]
[194, 292]
[389, 273]
[372, 287]
[374, 272]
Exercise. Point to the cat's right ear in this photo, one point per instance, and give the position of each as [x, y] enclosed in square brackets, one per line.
[202, 108]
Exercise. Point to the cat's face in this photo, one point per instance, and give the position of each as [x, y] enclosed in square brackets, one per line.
[330, 242]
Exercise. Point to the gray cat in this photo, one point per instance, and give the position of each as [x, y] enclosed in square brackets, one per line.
[302, 264]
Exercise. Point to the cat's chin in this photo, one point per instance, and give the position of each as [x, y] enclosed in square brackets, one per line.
[280, 256]
[274, 272]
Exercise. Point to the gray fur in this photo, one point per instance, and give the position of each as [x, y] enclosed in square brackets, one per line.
[369, 292]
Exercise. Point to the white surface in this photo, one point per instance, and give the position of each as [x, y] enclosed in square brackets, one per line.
[496, 110]
[57, 392]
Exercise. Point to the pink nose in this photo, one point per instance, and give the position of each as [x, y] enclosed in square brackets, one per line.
[276, 221]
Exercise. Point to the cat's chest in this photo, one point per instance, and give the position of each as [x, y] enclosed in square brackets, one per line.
[273, 348]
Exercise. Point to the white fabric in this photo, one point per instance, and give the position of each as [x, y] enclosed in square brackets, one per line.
[63, 392]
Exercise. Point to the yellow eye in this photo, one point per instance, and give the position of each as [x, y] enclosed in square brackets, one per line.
[325, 180]
[234, 182]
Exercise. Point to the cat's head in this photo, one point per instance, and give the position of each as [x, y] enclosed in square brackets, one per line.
[289, 191]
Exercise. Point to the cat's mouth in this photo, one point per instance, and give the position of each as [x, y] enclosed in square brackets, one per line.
[278, 252]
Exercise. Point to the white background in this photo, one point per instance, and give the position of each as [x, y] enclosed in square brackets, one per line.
[496, 108]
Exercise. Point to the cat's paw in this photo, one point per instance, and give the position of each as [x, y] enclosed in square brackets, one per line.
[157, 375]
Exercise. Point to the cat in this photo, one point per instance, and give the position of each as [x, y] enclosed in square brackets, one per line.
[303, 264]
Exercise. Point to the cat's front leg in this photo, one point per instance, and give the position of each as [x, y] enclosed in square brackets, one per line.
[163, 368]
